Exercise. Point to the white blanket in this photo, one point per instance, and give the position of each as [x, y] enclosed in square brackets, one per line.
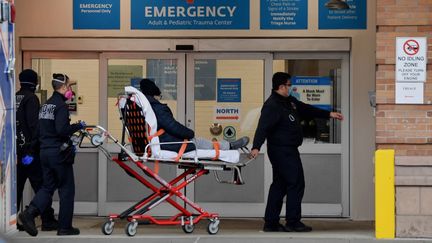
[231, 156]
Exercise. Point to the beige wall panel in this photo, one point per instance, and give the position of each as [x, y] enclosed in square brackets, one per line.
[85, 72]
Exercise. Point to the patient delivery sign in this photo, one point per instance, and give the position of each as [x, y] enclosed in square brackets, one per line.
[190, 14]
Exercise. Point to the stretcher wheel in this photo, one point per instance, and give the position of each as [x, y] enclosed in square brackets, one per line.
[108, 227]
[96, 140]
[188, 228]
[213, 227]
[131, 228]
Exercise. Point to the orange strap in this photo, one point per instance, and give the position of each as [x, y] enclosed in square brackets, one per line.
[216, 146]
[182, 150]
[157, 134]
[156, 167]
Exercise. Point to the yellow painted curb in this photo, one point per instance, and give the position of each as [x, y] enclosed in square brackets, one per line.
[384, 194]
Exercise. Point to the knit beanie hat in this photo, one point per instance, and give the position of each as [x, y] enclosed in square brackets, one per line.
[279, 78]
[148, 87]
[28, 78]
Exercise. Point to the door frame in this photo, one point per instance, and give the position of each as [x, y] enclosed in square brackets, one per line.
[343, 148]
[84, 208]
[105, 207]
[228, 209]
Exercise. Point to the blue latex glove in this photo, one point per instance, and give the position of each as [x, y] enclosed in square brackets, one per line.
[82, 124]
[28, 159]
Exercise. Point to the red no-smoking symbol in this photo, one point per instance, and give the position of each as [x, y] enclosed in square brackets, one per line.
[411, 47]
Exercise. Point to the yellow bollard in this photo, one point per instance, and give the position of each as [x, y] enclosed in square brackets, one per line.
[384, 194]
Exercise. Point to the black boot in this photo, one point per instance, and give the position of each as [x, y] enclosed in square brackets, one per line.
[20, 227]
[71, 231]
[239, 143]
[27, 219]
[49, 222]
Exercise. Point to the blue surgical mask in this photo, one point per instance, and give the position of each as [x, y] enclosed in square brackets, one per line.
[290, 90]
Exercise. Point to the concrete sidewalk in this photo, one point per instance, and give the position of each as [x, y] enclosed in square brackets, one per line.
[231, 230]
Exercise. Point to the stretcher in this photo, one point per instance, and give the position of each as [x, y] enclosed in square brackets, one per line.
[144, 150]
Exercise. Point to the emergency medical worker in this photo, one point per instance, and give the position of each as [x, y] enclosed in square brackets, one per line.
[29, 165]
[57, 156]
[280, 125]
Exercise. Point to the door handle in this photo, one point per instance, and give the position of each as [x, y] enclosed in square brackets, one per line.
[188, 123]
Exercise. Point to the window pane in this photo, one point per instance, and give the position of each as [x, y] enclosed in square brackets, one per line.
[318, 83]
[126, 72]
[229, 93]
[85, 72]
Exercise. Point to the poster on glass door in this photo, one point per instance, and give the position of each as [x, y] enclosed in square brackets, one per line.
[316, 91]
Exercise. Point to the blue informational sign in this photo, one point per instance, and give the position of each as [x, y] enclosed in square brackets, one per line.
[190, 14]
[135, 82]
[284, 14]
[229, 90]
[96, 14]
[353, 18]
[316, 91]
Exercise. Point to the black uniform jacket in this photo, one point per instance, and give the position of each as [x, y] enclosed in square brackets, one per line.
[54, 122]
[280, 121]
[27, 107]
[174, 131]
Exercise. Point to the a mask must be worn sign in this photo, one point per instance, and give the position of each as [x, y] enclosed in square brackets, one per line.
[315, 91]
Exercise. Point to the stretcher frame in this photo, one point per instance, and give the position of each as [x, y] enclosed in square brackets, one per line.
[166, 191]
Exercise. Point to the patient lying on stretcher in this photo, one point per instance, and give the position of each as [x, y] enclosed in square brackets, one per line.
[175, 131]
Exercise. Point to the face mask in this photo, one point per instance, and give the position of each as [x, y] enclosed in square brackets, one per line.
[290, 92]
[69, 94]
[35, 86]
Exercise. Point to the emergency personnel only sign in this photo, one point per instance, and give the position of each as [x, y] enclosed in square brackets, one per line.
[411, 59]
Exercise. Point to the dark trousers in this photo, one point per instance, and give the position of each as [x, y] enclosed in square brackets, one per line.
[288, 180]
[56, 175]
[32, 172]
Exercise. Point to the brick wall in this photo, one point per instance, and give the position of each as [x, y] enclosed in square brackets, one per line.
[406, 128]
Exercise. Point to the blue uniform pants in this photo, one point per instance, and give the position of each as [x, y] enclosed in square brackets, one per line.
[56, 175]
[288, 180]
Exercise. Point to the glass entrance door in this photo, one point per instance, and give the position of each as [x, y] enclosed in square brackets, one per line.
[82, 67]
[118, 191]
[322, 81]
[225, 93]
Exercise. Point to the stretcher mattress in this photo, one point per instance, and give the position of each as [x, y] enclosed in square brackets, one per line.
[230, 156]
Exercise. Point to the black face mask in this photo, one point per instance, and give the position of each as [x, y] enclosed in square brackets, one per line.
[29, 85]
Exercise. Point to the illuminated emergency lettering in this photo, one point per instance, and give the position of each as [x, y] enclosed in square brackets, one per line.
[191, 11]
[47, 112]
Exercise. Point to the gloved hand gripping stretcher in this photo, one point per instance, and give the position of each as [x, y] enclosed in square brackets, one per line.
[140, 122]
